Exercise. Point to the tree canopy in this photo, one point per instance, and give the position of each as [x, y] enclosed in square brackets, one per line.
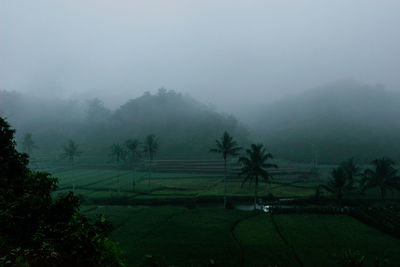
[383, 176]
[255, 166]
[39, 229]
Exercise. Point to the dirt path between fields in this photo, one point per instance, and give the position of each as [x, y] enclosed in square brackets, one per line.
[286, 241]
[236, 240]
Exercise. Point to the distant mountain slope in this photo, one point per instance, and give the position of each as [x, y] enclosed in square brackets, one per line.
[341, 120]
[183, 126]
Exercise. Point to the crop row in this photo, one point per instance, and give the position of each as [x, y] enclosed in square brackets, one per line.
[385, 219]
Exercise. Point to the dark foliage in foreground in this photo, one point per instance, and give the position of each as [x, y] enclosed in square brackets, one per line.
[40, 230]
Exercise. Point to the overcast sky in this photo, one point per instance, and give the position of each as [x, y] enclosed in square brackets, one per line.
[229, 53]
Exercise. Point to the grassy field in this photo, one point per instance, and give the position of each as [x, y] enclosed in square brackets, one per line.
[198, 237]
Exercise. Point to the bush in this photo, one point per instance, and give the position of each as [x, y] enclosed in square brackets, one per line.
[37, 230]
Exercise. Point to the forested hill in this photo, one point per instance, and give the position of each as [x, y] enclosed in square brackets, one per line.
[341, 120]
[183, 126]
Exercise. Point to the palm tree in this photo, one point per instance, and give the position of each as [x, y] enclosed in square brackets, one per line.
[119, 152]
[71, 151]
[254, 166]
[338, 184]
[150, 147]
[28, 145]
[384, 176]
[133, 146]
[226, 146]
[351, 170]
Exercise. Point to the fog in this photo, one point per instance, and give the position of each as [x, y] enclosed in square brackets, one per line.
[72, 69]
[199, 133]
[232, 54]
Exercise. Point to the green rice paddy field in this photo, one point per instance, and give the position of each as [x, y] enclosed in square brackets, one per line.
[100, 185]
[201, 237]
[208, 236]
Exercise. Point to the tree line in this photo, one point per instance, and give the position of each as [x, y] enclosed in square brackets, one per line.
[347, 178]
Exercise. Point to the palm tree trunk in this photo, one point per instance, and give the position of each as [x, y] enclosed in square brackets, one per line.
[255, 192]
[149, 173]
[225, 174]
[118, 187]
[133, 179]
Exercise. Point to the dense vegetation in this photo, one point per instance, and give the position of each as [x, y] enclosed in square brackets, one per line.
[184, 126]
[37, 229]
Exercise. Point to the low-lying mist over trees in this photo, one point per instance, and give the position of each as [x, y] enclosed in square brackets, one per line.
[336, 121]
[199, 133]
[184, 126]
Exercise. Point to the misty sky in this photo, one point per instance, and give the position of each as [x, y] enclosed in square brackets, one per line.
[229, 53]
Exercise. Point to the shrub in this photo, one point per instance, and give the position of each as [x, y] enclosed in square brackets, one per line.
[38, 230]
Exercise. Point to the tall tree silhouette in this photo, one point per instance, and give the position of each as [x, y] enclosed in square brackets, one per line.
[338, 184]
[384, 176]
[71, 151]
[119, 152]
[255, 166]
[351, 170]
[133, 146]
[227, 147]
[150, 147]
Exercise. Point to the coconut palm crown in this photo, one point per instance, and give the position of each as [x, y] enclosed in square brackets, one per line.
[255, 166]
[384, 176]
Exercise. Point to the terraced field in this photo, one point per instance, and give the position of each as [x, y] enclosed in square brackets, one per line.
[95, 184]
[101, 182]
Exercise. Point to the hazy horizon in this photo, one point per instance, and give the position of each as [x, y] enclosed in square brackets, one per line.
[232, 54]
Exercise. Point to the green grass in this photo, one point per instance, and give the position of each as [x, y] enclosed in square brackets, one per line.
[192, 237]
